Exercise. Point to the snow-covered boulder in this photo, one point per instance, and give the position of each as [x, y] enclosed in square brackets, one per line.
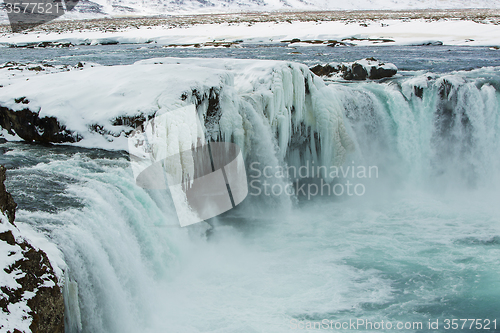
[359, 70]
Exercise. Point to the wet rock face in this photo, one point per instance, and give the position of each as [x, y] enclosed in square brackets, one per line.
[30, 127]
[7, 204]
[33, 273]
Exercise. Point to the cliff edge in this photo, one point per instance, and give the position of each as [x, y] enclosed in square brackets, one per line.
[31, 299]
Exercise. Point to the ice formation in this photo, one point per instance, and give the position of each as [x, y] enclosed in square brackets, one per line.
[278, 112]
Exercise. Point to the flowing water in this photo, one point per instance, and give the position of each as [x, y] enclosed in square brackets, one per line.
[414, 58]
[421, 244]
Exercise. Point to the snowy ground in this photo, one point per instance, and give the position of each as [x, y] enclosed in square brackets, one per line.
[478, 28]
[120, 8]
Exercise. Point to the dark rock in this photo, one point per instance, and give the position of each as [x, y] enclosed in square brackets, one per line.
[30, 127]
[354, 72]
[373, 40]
[8, 237]
[331, 43]
[36, 68]
[23, 100]
[379, 72]
[134, 121]
[325, 70]
[357, 71]
[42, 45]
[334, 43]
[108, 42]
[437, 43]
[445, 89]
[419, 91]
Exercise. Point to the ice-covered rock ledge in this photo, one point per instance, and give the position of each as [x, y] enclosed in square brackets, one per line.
[237, 100]
[31, 299]
[360, 70]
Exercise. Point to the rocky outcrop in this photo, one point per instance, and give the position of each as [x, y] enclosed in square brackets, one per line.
[27, 125]
[30, 127]
[42, 45]
[326, 70]
[359, 70]
[31, 299]
[23, 119]
[354, 72]
[330, 43]
[430, 43]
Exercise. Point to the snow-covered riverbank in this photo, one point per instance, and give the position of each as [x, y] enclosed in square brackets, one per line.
[473, 28]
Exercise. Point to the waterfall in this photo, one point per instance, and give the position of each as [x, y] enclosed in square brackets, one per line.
[428, 129]
[135, 270]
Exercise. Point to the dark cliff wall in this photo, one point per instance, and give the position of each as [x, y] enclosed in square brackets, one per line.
[30, 127]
